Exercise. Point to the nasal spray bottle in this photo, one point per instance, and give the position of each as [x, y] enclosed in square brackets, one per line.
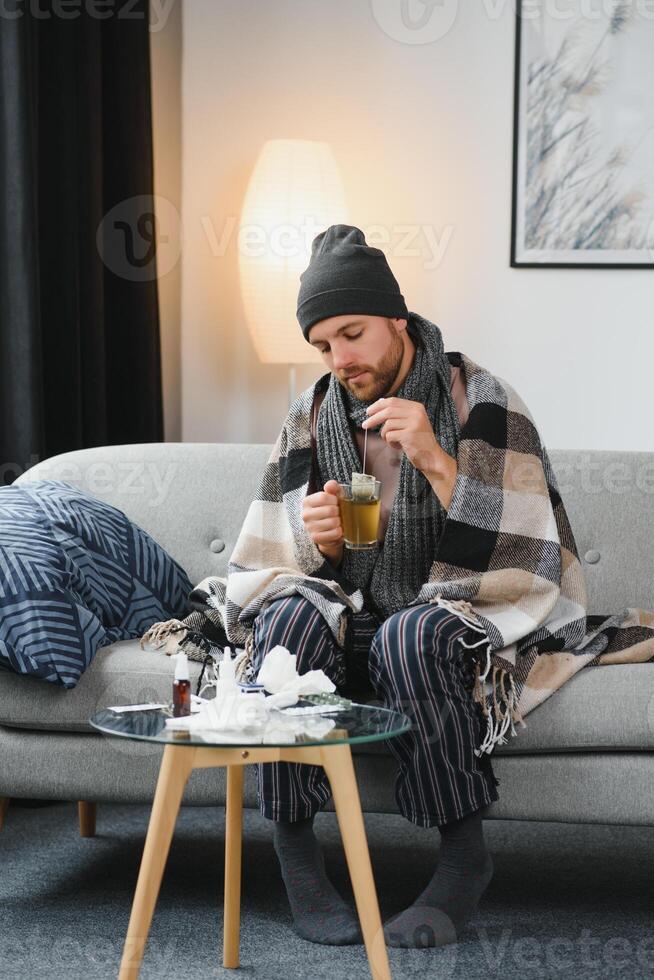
[181, 687]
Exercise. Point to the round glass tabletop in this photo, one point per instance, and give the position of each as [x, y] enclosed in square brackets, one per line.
[354, 724]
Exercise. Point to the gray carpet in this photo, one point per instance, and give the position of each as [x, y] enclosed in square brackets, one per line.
[565, 900]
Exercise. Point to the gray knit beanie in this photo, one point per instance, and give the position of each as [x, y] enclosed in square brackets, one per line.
[345, 275]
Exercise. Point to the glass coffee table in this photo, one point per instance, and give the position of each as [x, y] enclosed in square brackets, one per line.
[315, 739]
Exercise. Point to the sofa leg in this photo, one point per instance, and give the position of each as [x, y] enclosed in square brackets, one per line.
[86, 813]
[4, 803]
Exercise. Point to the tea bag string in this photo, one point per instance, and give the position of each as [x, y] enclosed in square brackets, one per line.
[365, 447]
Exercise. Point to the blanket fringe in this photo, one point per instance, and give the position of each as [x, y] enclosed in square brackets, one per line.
[462, 608]
[504, 712]
[465, 612]
[243, 667]
[159, 634]
[173, 635]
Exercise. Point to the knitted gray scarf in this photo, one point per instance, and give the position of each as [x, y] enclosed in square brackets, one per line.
[391, 576]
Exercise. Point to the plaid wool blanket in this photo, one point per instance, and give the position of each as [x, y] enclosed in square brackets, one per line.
[506, 564]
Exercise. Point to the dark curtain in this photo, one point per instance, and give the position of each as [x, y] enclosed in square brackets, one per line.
[79, 317]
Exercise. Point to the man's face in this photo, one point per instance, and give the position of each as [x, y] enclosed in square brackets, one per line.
[370, 346]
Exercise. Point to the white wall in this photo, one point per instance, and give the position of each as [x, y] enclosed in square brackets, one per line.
[423, 136]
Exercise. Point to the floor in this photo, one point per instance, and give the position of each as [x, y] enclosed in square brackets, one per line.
[566, 900]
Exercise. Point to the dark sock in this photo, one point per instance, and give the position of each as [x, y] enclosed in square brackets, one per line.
[319, 913]
[442, 910]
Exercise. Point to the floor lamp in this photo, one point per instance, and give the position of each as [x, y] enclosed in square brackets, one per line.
[295, 192]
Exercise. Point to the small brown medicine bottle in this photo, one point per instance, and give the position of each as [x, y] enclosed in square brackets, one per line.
[181, 687]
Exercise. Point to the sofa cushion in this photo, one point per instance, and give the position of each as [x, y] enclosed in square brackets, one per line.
[121, 673]
[75, 575]
[593, 711]
[607, 707]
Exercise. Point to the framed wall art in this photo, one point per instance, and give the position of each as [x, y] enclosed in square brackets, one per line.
[583, 142]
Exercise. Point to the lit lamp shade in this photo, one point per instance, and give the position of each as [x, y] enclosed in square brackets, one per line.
[295, 192]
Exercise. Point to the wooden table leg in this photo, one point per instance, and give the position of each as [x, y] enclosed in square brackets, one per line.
[176, 766]
[4, 803]
[233, 847]
[337, 762]
[86, 812]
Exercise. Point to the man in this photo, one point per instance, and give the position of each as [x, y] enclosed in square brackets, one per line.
[393, 376]
[475, 598]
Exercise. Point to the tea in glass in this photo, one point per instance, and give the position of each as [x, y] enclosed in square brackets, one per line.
[359, 505]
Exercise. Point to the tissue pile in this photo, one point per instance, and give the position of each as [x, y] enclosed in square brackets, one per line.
[234, 711]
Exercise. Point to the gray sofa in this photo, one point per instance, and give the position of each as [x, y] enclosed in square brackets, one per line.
[587, 754]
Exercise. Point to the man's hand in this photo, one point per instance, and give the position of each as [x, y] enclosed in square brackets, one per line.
[406, 426]
[322, 520]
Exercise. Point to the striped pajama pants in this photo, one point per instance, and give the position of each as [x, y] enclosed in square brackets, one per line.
[412, 663]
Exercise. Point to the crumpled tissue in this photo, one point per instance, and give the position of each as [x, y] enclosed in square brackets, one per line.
[279, 676]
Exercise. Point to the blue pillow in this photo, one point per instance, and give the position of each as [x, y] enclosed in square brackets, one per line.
[75, 575]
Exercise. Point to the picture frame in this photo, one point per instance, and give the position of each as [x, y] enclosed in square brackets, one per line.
[583, 136]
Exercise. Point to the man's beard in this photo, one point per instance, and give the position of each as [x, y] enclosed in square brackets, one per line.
[382, 376]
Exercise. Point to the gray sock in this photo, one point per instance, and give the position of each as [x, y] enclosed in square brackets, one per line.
[319, 913]
[442, 910]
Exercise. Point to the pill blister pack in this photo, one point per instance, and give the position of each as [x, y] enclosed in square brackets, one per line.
[318, 704]
[311, 709]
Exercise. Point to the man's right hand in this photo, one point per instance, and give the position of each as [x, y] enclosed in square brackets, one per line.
[322, 520]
